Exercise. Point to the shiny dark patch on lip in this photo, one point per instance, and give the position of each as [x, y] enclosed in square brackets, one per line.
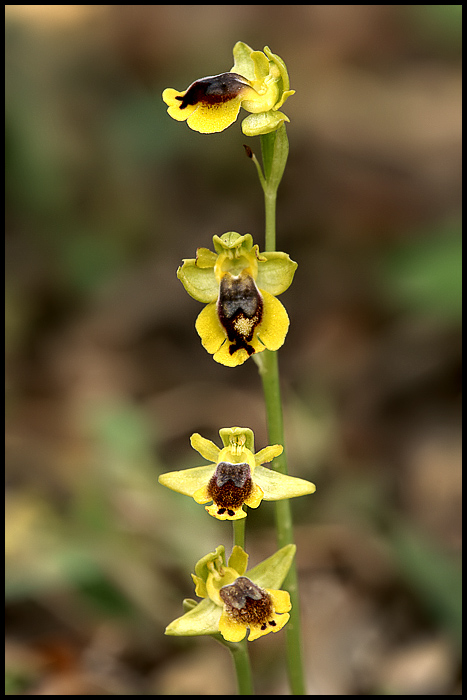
[213, 90]
[229, 486]
[247, 603]
[240, 310]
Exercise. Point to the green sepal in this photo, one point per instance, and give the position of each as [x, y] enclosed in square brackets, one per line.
[217, 558]
[232, 240]
[205, 257]
[263, 123]
[204, 619]
[286, 92]
[276, 272]
[199, 282]
[244, 64]
[233, 434]
[252, 65]
[277, 486]
[187, 481]
[271, 572]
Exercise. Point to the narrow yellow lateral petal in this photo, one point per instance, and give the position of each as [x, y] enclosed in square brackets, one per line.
[205, 447]
[268, 453]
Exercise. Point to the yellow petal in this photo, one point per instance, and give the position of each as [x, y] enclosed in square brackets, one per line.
[230, 630]
[280, 600]
[211, 118]
[238, 358]
[209, 328]
[280, 620]
[239, 513]
[274, 324]
[170, 98]
[202, 495]
[268, 453]
[215, 341]
[255, 497]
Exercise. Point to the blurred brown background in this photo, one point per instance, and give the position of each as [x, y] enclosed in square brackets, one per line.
[107, 379]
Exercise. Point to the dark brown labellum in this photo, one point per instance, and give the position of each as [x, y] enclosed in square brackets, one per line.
[247, 603]
[240, 310]
[230, 486]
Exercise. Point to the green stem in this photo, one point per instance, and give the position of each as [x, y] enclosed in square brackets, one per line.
[270, 223]
[241, 659]
[239, 532]
[239, 650]
[274, 148]
[284, 524]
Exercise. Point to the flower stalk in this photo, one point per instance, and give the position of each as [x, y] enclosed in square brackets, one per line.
[274, 149]
[239, 532]
[241, 661]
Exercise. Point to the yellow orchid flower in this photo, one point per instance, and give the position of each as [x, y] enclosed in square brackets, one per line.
[239, 285]
[235, 476]
[235, 600]
[258, 82]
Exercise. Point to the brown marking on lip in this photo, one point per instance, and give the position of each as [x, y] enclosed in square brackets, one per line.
[230, 486]
[213, 90]
[240, 310]
[247, 603]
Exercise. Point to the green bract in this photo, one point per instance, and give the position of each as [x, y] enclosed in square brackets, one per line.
[239, 285]
[217, 581]
[258, 82]
[235, 476]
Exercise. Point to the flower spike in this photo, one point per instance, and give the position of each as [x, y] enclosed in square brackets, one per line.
[258, 82]
[236, 477]
[239, 285]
